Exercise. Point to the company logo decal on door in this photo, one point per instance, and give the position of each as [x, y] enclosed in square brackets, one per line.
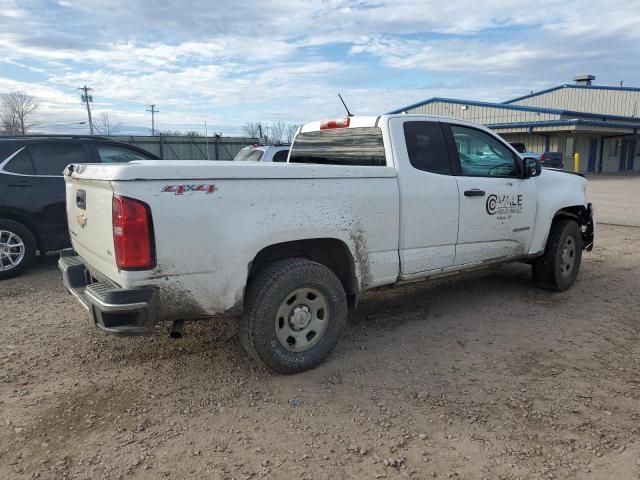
[504, 204]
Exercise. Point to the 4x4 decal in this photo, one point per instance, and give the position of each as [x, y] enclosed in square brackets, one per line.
[182, 189]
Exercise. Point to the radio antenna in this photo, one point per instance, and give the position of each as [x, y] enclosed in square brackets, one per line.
[349, 114]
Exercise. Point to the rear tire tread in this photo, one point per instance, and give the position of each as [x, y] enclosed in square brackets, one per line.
[257, 321]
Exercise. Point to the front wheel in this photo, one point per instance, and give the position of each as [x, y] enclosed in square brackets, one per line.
[295, 311]
[558, 267]
[17, 249]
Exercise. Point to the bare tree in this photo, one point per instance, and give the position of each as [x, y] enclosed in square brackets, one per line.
[292, 128]
[253, 129]
[8, 124]
[276, 131]
[16, 110]
[102, 124]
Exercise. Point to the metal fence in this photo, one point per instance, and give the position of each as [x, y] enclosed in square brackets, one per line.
[172, 147]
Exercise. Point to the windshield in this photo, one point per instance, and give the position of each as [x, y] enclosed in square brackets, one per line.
[340, 146]
[248, 155]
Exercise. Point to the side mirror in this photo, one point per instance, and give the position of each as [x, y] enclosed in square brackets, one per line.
[532, 167]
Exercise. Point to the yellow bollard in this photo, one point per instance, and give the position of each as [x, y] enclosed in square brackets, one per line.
[576, 162]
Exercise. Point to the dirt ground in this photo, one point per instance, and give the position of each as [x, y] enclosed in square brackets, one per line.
[482, 377]
[617, 198]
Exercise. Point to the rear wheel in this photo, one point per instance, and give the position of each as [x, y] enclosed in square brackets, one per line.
[295, 312]
[17, 248]
[558, 268]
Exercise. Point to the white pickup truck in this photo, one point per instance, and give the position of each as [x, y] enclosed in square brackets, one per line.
[363, 202]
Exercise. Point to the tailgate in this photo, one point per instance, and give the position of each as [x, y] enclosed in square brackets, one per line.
[90, 222]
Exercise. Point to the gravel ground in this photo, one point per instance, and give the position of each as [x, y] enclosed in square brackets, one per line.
[479, 377]
[616, 198]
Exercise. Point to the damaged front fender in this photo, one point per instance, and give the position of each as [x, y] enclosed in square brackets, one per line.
[588, 226]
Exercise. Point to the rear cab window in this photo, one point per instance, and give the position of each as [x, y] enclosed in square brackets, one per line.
[362, 146]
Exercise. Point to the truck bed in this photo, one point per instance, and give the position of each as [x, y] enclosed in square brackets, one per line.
[211, 219]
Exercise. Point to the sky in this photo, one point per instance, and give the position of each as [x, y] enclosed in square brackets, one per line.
[232, 62]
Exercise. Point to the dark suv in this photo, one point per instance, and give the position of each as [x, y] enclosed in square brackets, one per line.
[32, 196]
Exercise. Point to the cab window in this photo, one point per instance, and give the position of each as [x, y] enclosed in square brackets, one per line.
[481, 155]
[426, 147]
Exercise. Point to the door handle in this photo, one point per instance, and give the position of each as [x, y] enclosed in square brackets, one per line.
[475, 192]
[20, 185]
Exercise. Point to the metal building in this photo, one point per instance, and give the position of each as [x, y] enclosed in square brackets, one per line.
[600, 123]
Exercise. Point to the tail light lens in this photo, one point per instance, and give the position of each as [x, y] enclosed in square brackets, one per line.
[542, 159]
[132, 234]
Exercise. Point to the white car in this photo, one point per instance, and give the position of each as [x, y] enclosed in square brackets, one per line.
[364, 202]
[263, 153]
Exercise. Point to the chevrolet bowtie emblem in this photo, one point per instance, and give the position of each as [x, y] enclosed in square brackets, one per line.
[82, 220]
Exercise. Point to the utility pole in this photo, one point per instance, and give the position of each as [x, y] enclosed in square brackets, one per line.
[86, 98]
[260, 130]
[153, 119]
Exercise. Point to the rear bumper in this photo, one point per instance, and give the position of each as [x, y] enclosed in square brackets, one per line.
[114, 310]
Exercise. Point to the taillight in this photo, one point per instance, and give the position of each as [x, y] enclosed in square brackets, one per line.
[336, 123]
[132, 234]
[542, 159]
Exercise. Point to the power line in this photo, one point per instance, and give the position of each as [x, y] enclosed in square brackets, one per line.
[153, 123]
[86, 98]
[59, 123]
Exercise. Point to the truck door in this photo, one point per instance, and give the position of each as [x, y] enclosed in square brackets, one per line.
[497, 206]
[428, 196]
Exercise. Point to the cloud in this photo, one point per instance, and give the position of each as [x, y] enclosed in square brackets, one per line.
[436, 56]
[196, 87]
[144, 57]
[10, 9]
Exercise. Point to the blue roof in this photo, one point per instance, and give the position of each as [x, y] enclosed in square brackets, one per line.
[571, 85]
[523, 108]
[559, 123]
[478, 104]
